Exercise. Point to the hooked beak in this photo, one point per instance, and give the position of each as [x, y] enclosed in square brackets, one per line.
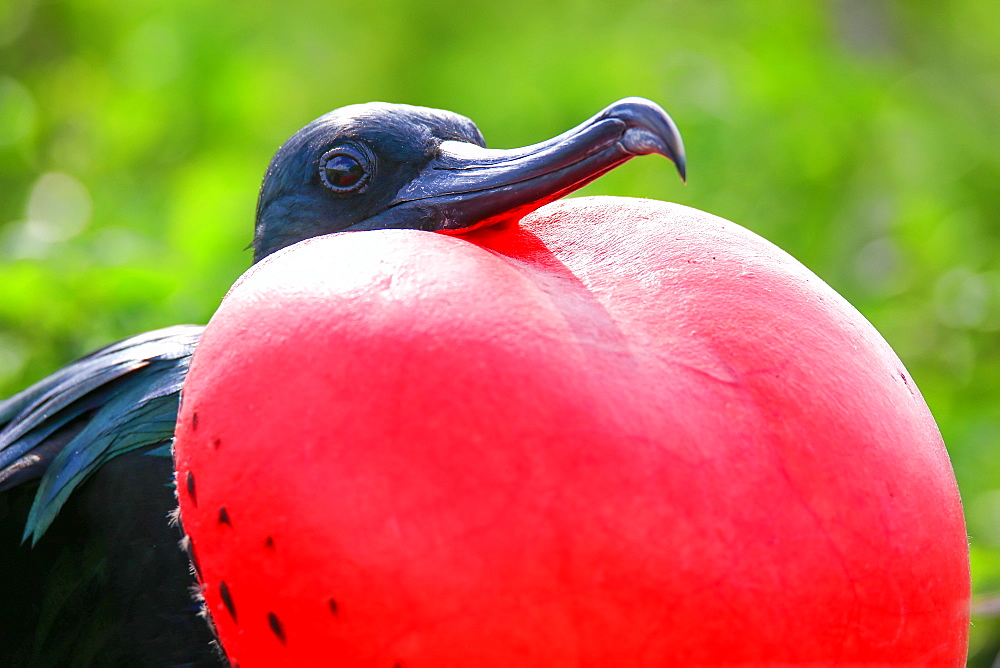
[466, 186]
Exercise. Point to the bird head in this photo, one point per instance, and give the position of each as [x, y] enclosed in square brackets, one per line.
[378, 166]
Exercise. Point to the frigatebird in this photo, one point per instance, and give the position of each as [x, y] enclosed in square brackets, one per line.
[97, 572]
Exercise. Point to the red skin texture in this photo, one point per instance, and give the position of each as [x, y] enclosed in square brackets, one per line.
[620, 433]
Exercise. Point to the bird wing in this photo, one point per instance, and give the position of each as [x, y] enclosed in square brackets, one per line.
[115, 400]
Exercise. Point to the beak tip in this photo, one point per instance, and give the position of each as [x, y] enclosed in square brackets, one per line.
[648, 129]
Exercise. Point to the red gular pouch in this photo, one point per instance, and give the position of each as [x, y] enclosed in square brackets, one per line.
[617, 433]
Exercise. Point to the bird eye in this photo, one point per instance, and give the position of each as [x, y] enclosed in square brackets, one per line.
[342, 171]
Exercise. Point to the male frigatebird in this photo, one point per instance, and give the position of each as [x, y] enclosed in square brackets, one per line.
[95, 573]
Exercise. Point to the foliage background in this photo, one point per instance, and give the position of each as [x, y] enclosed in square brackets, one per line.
[859, 135]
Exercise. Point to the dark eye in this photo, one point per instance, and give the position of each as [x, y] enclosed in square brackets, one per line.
[343, 172]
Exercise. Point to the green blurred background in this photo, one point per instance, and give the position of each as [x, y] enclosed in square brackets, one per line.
[859, 135]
